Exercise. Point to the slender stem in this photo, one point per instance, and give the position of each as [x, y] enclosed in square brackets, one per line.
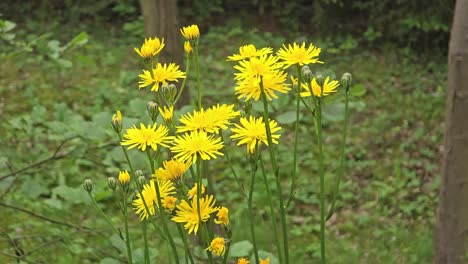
[126, 156]
[187, 68]
[127, 235]
[231, 167]
[145, 240]
[342, 161]
[276, 172]
[186, 245]
[226, 254]
[251, 217]
[197, 69]
[272, 210]
[318, 130]
[161, 211]
[296, 130]
[105, 216]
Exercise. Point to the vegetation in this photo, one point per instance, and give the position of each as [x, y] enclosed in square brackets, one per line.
[59, 88]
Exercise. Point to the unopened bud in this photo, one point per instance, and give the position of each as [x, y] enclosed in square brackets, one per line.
[187, 47]
[142, 180]
[347, 81]
[171, 93]
[139, 173]
[111, 183]
[88, 185]
[124, 178]
[152, 109]
[306, 73]
[117, 121]
[164, 87]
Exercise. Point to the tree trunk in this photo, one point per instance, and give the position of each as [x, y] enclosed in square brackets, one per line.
[161, 20]
[452, 230]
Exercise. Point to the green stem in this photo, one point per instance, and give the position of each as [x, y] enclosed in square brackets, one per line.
[341, 165]
[272, 210]
[145, 240]
[186, 245]
[187, 68]
[226, 254]
[231, 167]
[318, 130]
[204, 235]
[161, 211]
[127, 235]
[296, 130]
[276, 171]
[197, 69]
[251, 217]
[105, 216]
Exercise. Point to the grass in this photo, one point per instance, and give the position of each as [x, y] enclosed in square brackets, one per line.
[386, 209]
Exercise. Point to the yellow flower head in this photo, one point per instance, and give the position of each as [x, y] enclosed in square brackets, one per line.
[272, 83]
[327, 88]
[172, 170]
[223, 216]
[190, 32]
[243, 261]
[187, 47]
[167, 113]
[265, 261]
[117, 122]
[298, 55]
[217, 246]
[124, 177]
[188, 213]
[150, 136]
[256, 67]
[252, 132]
[249, 51]
[166, 188]
[196, 144]
[193, 192]
[169, 203]
[162, 74]
[211, 120]
[150, 48]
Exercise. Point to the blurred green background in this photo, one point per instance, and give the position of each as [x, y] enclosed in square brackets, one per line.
[65, 66]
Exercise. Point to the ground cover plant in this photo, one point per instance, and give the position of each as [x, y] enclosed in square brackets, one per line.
[386, 197]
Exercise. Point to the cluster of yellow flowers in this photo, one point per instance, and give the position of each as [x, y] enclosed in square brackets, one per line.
[197, 136]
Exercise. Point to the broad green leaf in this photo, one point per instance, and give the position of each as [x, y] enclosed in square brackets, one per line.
[288, 118]
[241, 249]
[357, 90]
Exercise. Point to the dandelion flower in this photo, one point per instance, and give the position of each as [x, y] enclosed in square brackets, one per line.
[217, 246]
[211, 120]
[147, 136]
[257, 67]
[167, 113]
[172, 170]
[243, 261]
[223, 216]
[265, 261]
[124, 177]
[162, 74]
[150, 48]
[190, 32]
[249, 51]
[252, 132]
[187, 47]
[193, 192]
[328, 88]
[272, 83]
[169, 203]
[189, 146]
[298, 55]
[188, 213]
[149, 194]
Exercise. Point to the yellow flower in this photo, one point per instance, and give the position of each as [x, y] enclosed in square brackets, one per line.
[210, 120]
[143, 137]
[162, 74]
[172, 170]
[223, 216]
[117, 121]
[169, 203]
[187, 47]
[149, 194]
[300, 55]
[196, 144]
[328, 88]
[249, 51]
[243, 261]
[188, 213]
[190, 32]
[272, 83]
[193, 192]
[167, 113]
[252, 132]
[151, 47]
[256, 67]
[217, 246]
[265, 261]
[124, 177]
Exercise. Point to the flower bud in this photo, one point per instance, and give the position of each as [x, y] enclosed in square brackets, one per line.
[142, 180]
[171, 93]
[306, 73]
[152, 109]
[111, 183]
[187, 47]
[124, 178]
[88, 185]
[139, 173]
[117, 121]
[164, 87]
[347, 81]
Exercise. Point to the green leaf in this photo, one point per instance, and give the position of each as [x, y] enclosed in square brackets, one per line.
[241, 249]
[288, 118]
[69, 194]
[357, 90]
[118, 243]
[333, 112]
[109, 261]
[79, 40]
